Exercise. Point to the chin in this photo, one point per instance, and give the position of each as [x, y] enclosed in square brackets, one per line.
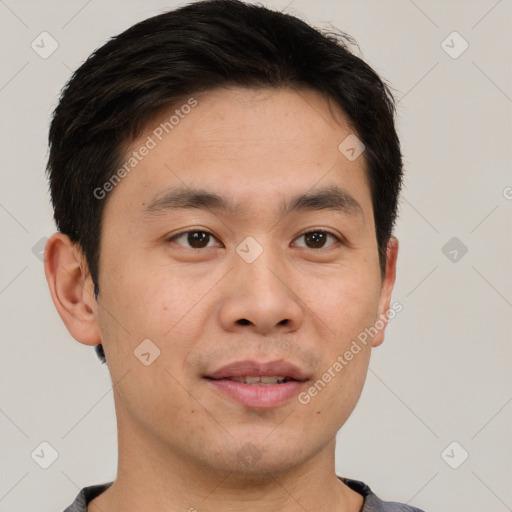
[259, 460]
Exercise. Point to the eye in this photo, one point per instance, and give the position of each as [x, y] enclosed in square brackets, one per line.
[316, 239]
[196, 238]
[200, 239]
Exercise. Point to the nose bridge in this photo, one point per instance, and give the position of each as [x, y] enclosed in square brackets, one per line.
[263, 265]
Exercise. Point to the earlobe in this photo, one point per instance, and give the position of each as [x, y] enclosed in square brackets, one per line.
[71, 288]
[386, 289]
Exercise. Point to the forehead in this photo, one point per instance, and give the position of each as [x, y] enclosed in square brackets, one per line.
[245, 144]
[233, 118]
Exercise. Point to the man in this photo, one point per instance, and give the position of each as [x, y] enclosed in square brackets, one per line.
[225, 182]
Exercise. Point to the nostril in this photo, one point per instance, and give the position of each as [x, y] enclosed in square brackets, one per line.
[243, 321]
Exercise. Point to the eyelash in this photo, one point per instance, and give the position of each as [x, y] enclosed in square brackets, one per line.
[309, 231]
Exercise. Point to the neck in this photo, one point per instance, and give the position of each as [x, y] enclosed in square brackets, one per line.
[151, 477]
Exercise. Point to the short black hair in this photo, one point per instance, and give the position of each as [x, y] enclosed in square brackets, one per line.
[198, 47]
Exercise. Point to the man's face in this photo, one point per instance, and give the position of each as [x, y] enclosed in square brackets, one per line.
[257, 285]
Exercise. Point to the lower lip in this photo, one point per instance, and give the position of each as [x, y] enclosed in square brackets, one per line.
[262, 396]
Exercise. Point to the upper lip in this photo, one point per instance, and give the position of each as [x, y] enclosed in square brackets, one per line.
[249, 368]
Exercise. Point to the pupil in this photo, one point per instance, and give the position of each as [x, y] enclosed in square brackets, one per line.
[196, 239]
[317, 238]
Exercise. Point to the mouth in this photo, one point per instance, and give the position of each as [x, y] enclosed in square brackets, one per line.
[259, 380]
[258, 385]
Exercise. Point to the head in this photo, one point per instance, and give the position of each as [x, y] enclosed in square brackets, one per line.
[237, 122]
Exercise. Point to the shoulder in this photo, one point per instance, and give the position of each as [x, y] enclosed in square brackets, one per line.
[372, 503]
[86, 495]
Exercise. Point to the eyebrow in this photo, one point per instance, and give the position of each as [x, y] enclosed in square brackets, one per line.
[327, 198]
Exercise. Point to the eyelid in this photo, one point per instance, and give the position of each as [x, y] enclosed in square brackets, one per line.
[171, 238]
[339, 238]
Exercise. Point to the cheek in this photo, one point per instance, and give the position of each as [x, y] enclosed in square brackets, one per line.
[348, 304]
[150, 302]
[149, 297]
[345, 301]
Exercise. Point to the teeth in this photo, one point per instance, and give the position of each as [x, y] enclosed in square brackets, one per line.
[252, 380]
[271, 380]
[259, 380]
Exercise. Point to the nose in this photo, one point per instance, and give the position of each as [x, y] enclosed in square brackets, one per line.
[262, 297]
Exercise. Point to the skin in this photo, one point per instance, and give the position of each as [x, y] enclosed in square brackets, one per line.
[179, 440]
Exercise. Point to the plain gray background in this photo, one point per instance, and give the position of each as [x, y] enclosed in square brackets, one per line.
[443, 372]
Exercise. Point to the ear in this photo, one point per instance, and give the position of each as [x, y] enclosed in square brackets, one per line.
[386, 289]
[71, 288]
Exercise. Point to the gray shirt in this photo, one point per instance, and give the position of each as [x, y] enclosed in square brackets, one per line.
[371, 502]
